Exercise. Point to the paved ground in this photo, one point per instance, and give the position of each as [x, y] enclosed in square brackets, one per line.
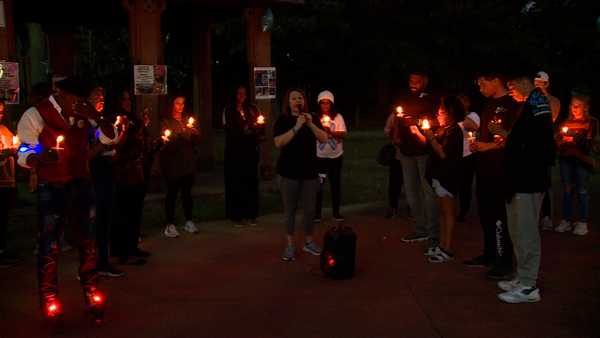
[227, 282]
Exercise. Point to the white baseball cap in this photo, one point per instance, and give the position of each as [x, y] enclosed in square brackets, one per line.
[542, 76]
[474, 117]
[325, 95]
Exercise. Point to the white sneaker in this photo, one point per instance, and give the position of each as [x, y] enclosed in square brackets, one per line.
[522, 294]
[190, 227]
[547, 224]
[564, 226]
[431, 251]
[509, 285]
[580, 229]
[171, 231]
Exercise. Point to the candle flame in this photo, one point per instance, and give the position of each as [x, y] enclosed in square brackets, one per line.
[425, 125]
[565, 129]
[15, 140]
[470, 134]
[260, 120]
[59, 139]
[167, 133]
[399, 111]
[191, 121]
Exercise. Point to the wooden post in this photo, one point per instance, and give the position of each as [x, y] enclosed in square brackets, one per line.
[258, 45]
[7, 33]
[203, 91]
[145, 47]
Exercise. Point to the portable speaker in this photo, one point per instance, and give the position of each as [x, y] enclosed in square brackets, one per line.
[339, 252]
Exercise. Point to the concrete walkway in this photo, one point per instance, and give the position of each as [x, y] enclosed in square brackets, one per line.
[227, 282]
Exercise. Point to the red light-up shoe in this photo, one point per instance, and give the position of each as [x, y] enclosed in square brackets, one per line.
[95, 304]
[53, 314]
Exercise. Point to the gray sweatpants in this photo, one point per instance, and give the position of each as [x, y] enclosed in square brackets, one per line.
[291, 192]
[523, 214]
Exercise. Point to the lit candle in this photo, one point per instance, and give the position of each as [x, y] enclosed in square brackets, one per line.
[59, 139]
[425, 124]
[565, 129]
[325, 121]
[118, 121]
[166, 135]
[399, 111]
[260, 119]
[15, 141]
[190, 123]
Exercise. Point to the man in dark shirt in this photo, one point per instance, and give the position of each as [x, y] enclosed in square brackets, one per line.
[530, 151]
[417, 106]
[499, 110]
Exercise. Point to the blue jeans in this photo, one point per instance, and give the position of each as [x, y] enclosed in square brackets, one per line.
[575, 178]
[420, 196]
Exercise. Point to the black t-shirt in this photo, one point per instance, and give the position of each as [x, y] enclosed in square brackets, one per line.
[491, 163]
[447, 170]
[297, 159]
[415, 106]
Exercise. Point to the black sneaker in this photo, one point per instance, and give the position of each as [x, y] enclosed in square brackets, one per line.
[499, 273]
[7, 260]
[391, 212]
[477, 262]
[109, 271]
[132, 261]
[414, 238]
[140, 253]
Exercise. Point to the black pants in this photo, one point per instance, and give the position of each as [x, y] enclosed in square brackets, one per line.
[127, 223]
[241, 188]
[332, 169]
[54, 203]
[174, 185]
[395, 182]
[465, 192]
[7, 199]
[497, 245]
[104, 189]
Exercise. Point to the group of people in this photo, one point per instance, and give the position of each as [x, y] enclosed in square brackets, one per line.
[90, 169]
[510, 145]
[92, 166]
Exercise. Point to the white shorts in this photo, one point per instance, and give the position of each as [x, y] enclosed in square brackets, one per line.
[439, 190]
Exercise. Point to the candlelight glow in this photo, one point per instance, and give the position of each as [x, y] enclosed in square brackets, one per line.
[59, 140]
[15, 141]
[260, 119]
[425, 125]
[118, 121]
[565, 129]
[470, 134]
[399, 111]
[166, 135]
[325, 120]
[191, 122]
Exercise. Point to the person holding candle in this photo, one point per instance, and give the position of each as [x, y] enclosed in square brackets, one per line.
[542, 81]
[8, 187]
[39, 127]
[395, 177]
[107, 134]
[177, 161]
[296, 132]
[417, 106]
[443, 171]
[529, 153]
[243, 134]
[499, 111]
[330, 154]
[470, 127]
[576, 140]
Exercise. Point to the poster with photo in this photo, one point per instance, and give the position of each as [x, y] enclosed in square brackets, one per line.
[265, 84]
[150, 79]
[9, 82]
